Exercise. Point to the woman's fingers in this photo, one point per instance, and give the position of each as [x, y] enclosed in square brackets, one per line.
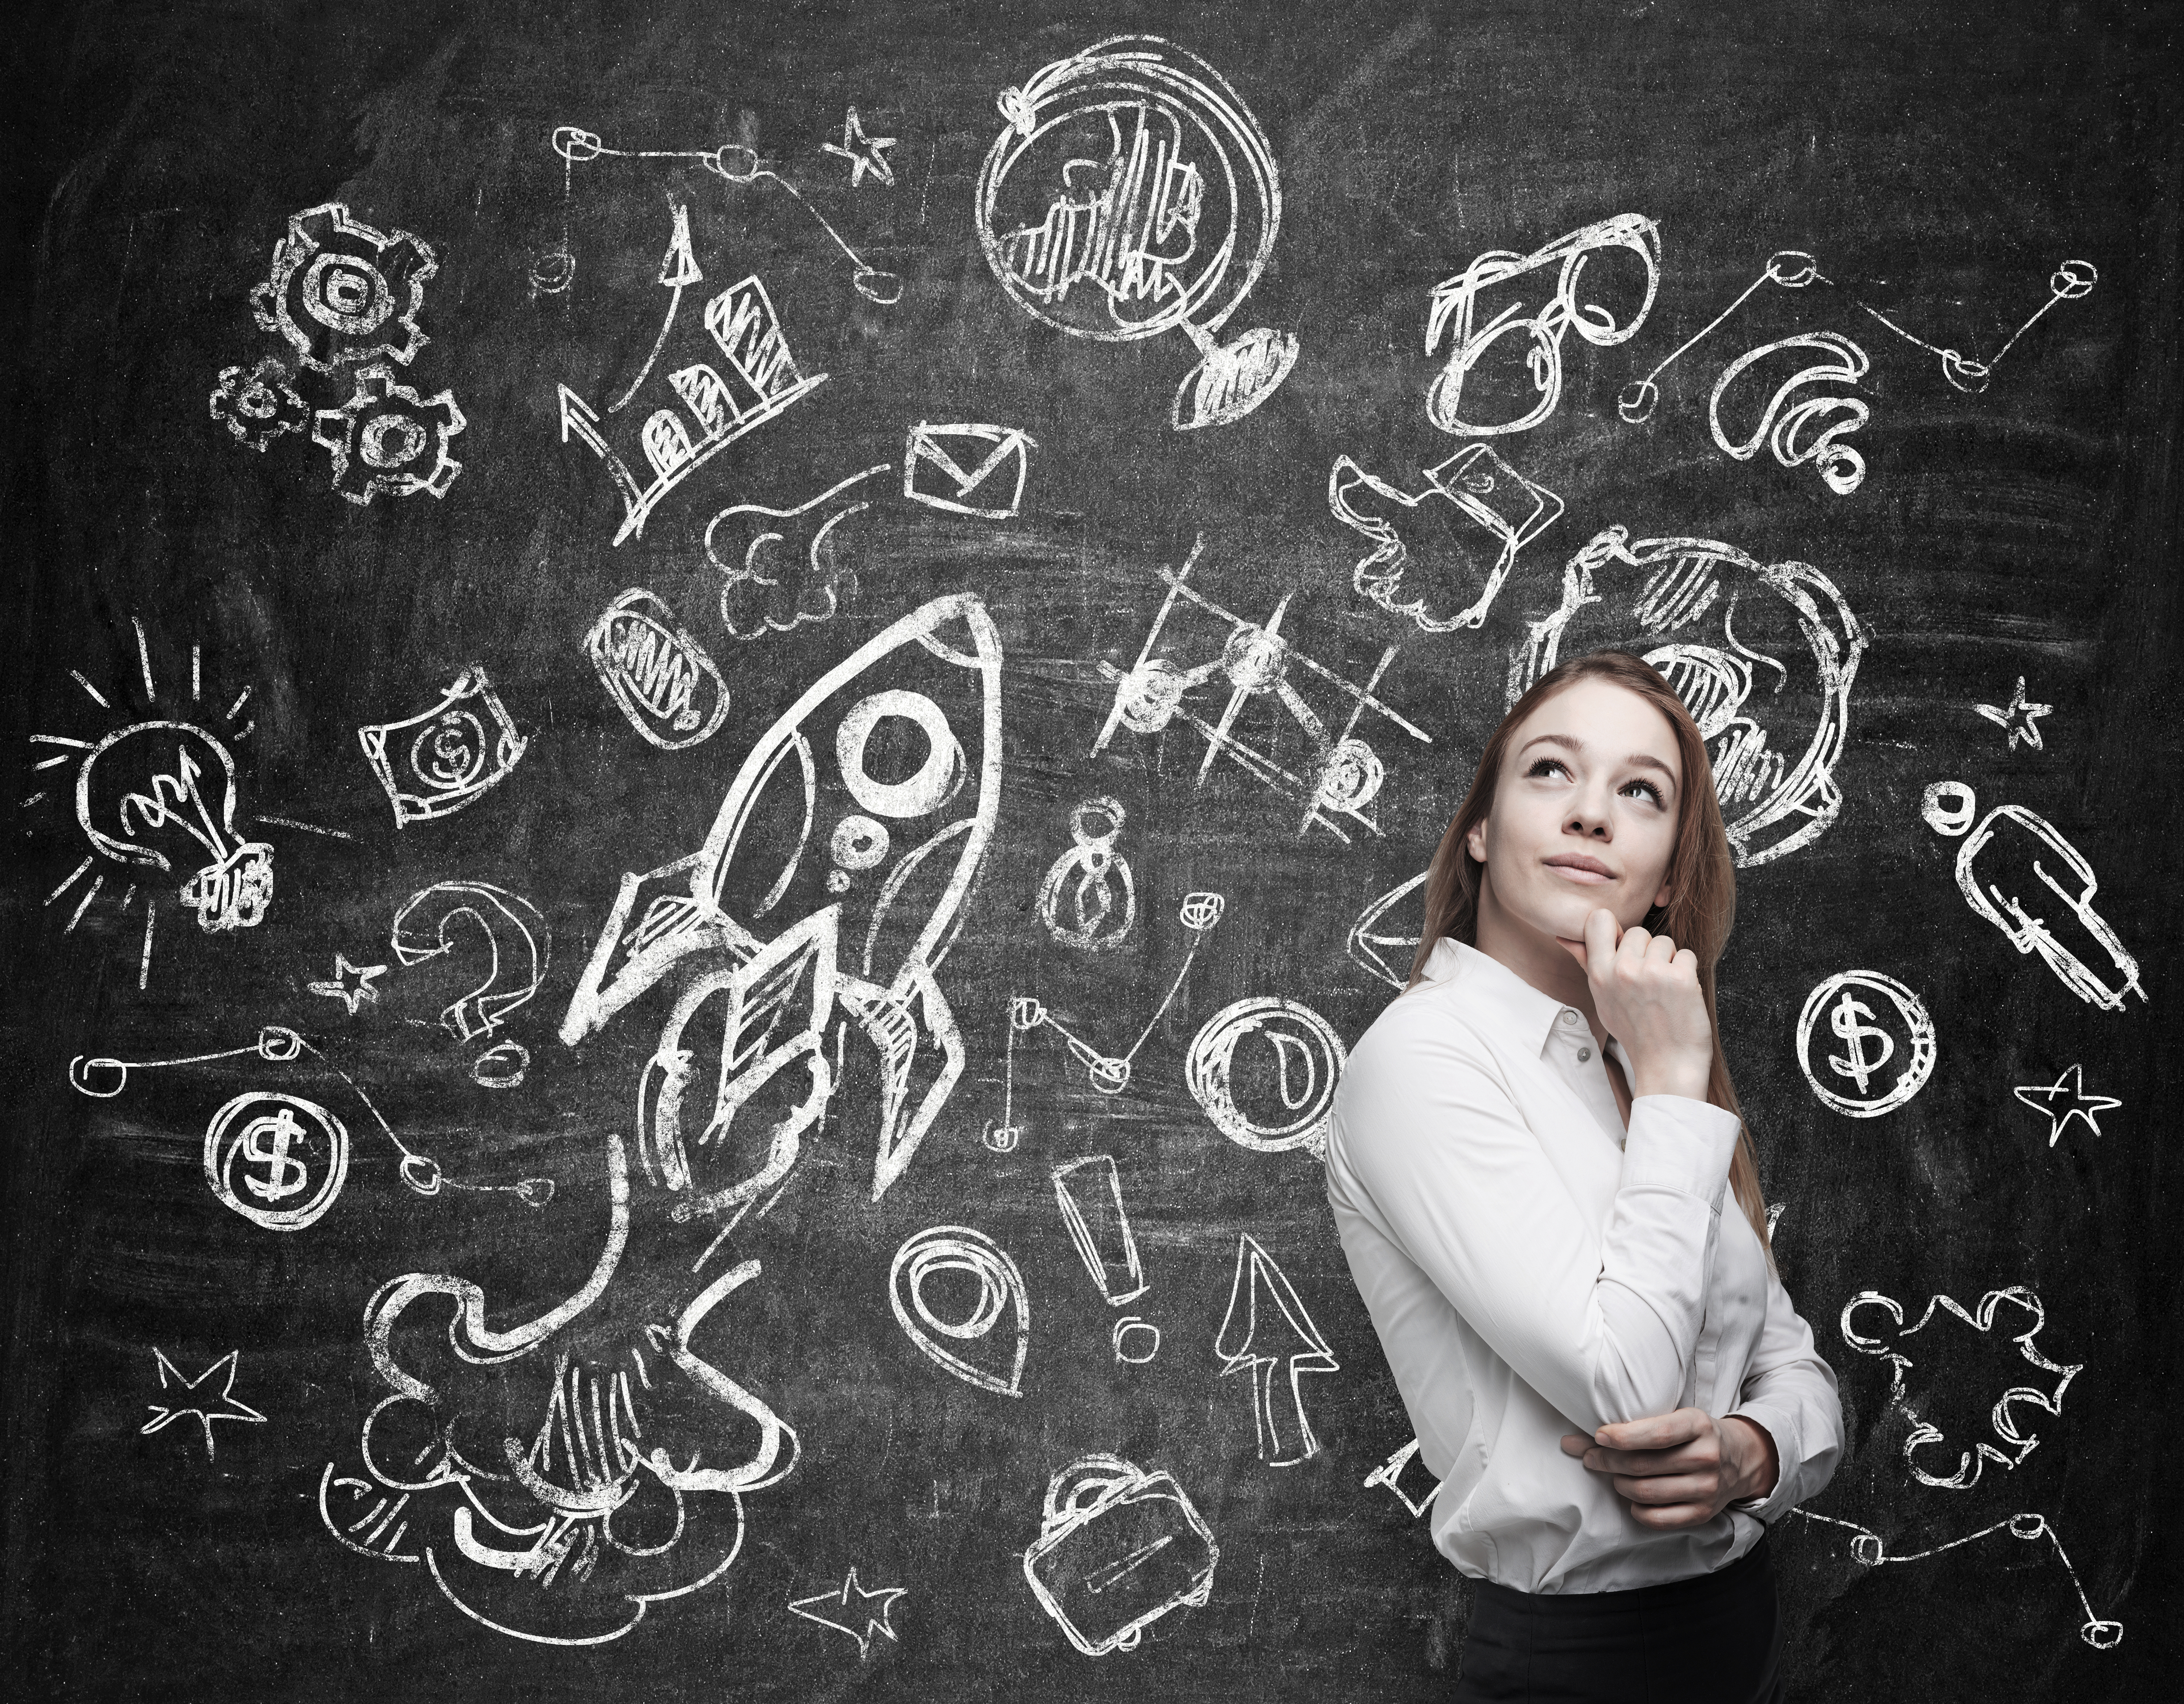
[1685, 1458]
[1655, 1431]
[1647, 994]
[1671, 1470]
[1600, 945]
[1673, 1516]
[1679, 1488]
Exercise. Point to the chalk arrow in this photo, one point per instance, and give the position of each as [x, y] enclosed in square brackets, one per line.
[1266, 1325]
[581, 421]
[678, 266]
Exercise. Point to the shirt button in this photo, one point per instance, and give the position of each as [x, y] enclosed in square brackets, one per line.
[1584, 1052]
[1569, 1016]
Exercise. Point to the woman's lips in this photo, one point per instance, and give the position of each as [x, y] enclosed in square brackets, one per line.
[1580, 873]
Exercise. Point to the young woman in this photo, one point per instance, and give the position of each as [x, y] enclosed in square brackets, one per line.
[1552, 1211]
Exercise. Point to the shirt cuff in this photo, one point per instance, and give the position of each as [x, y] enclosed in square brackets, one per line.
[1782, 1425]
[1676, 1143]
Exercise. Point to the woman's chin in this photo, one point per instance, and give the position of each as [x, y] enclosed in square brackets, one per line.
[1563, 926]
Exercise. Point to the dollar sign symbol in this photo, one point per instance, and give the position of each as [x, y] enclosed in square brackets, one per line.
[1845, 1021]
[266, 1143]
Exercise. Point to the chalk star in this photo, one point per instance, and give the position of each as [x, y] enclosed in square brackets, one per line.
[2070, 1085]
[226, 1408]
[2017, 717]
[350, 984]
[845, 1611]
[864, 152]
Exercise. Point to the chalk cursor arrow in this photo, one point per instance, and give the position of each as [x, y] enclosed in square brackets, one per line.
[678, 267]
[1262, 1299]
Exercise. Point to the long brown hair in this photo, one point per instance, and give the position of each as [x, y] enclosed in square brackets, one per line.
[1700, 880]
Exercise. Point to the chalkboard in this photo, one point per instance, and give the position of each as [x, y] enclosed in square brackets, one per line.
[721, 715]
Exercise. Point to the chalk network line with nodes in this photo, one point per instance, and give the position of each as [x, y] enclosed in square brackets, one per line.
[555, 270]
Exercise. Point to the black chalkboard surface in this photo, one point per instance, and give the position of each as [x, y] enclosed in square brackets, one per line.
[721, 715]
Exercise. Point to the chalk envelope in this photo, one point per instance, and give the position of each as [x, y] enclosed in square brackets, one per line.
[1117, 1548]
[1090, 1193]
[1365, 940]
[967, 469]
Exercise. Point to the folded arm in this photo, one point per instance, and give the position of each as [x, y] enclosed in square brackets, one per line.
[1790, 1391]
[1601, 1323]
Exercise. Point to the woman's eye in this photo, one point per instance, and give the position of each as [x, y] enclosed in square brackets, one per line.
[1540, 766]
[1650, 791]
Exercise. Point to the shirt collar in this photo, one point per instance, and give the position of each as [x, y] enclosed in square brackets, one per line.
[1493, 993]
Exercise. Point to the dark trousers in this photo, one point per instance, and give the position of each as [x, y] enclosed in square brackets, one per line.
[1716, 1638]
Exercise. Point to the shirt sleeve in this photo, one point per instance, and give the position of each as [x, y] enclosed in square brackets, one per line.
[1602, 1323]
[1790, 1391]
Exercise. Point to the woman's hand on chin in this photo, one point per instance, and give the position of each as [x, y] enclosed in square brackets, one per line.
[1645, 991]
[1681, 1469]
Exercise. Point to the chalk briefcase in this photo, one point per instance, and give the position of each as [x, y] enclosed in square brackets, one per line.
[1119, 1548]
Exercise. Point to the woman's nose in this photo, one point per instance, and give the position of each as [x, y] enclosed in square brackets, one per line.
[1593, 817]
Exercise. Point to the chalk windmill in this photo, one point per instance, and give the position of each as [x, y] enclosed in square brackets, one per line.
[757, 379]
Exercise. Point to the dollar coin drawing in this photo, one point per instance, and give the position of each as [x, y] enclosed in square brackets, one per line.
[1878, 1048]
[277, 1160]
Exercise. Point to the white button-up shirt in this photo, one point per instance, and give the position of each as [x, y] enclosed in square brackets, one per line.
[1533, 1270]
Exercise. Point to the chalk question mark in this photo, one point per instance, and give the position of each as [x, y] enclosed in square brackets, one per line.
[520, 943]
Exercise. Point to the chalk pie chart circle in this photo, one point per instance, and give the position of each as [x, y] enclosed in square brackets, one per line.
[1033, 214]
[1867, 1006]
[278, 1160]
[1307, 1062]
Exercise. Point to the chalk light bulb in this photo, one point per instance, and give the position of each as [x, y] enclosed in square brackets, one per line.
[155, 789]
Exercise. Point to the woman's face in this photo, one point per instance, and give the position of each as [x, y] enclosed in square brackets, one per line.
[1585, 812]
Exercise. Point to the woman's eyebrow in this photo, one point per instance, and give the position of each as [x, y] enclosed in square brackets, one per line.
[1641, 760]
